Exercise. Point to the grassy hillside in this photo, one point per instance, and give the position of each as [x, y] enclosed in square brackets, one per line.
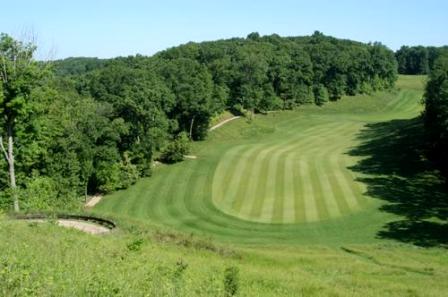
[286, 177]
[314, 202]
[46, 260]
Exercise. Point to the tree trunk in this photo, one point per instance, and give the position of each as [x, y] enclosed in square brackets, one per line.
[12, 174]
[85, 193]
[191, 128]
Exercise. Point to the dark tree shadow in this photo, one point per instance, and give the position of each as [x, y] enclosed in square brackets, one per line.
[395, 170]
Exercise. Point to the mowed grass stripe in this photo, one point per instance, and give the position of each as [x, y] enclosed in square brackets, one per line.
[201, 211]
[269, 189]
[315, 208]
[310, 207]
[259, 208]
[250, 195]
[361, 188]
[299, 191]
[390, 106]
[331, 181]
[337, 143]
[241, 198]
[279, 198]
[324, 145]
[356, 190]
[177, 211]
[274, 206]
[289, 192]
[413, 107]
[344, 184]
[193, 199]
[327, 191]
[222, 175]
[339, 153]
[157, 206]
[272, 210]
[267, 208]
[236, 173]
[320, 146]
[303, 186]
[318, 195]
[344, 162]
[404, 102]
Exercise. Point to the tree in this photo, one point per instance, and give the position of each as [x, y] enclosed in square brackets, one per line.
[250, 78]
[320, 95]
[418, 59]
[177, 149]
[192, 86]
[436, 113]
[19, 74]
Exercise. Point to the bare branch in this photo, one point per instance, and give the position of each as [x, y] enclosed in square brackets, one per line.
[3, 149]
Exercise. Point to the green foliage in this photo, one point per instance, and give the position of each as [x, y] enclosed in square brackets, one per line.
[77, 65]
[320, 95]
[135, 245]
[436, 112]
[418, 59]
[231, 281]
[41, 193]
[19, 76]
[177, 149]
[129, 172]
[108, 177]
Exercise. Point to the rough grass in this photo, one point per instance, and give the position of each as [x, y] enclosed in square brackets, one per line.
[47, 260]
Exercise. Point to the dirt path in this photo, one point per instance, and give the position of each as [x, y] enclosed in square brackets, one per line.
[223, 122]
[93, 201]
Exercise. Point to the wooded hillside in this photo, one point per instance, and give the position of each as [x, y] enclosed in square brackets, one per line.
[85, 125]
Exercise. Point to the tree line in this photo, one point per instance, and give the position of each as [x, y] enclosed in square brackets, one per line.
[84, 125]
[436, 113]
[418, 59]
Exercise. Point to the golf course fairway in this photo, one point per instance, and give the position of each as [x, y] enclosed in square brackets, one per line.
[285, 177]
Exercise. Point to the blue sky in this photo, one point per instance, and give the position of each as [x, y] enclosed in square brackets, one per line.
[119, 28]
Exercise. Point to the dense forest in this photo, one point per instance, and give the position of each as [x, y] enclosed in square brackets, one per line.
[418, 59]
[436, 113]
[84, 125]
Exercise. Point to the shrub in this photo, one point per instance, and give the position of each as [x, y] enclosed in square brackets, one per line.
[40, 193]
[176, 150]
[135, 245]
[320, 95]
[231, 281]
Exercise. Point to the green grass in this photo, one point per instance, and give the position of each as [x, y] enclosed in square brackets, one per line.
[286, 177]
[221, 117]
[331, 201]
[47, 260]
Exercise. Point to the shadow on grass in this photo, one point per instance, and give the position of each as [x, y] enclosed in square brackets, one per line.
[395, 170]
